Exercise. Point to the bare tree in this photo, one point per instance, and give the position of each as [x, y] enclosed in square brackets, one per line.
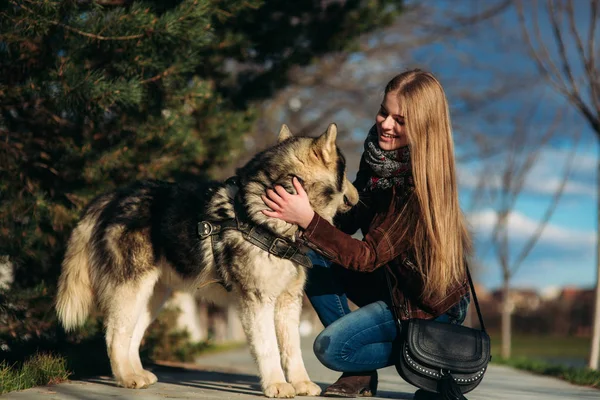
[505, 185]
[567, 58]
[346, 87]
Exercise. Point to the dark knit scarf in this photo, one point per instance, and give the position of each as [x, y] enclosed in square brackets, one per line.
[390, 168]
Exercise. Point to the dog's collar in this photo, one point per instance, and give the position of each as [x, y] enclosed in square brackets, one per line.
[258, 236]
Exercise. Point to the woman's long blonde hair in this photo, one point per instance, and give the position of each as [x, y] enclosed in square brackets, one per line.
[438, 228]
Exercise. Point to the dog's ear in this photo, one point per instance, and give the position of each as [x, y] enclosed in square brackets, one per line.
[284, 133]
[325, 144]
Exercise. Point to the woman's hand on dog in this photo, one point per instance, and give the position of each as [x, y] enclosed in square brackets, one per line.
[292, 208]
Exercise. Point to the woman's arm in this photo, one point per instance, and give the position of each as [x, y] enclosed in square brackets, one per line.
[384, 241]
[380, 245]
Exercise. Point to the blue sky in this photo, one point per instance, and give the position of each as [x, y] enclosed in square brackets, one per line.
[566, 252]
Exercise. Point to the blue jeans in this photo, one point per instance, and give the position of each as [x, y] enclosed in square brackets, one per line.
[362, 340]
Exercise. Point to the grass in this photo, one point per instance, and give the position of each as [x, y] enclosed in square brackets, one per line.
[218, 348]
[533, 354]
[41, 369]
[577, 375]
[544, 347]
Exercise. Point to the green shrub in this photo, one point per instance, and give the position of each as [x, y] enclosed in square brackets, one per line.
[41, 369]
[162, 342]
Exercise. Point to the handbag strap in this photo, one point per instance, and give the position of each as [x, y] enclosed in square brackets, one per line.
[395, 306]
[479, 315]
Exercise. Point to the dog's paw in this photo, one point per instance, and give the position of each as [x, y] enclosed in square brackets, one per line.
[133, 381]
[307, 388]
[150, 377]
[280, 390]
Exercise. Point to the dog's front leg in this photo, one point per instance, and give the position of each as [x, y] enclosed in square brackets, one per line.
[258, 320]
[287, 321]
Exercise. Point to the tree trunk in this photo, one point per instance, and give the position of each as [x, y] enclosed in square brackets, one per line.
[596, 329]
[595, 348]
[507, 309]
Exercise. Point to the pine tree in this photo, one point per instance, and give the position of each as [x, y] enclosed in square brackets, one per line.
[96, 94]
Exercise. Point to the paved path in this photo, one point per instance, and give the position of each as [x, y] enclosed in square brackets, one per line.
[232, 375]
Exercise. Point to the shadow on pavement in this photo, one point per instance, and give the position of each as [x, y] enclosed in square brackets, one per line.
[68, 392]
[198, 379]
[219, 381]
[394, 395]
[209, 380]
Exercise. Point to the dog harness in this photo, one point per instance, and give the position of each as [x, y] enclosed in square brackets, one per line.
[258, 236]
[255, 234]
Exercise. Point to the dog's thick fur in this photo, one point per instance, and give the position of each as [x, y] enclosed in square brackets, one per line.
[133, 246]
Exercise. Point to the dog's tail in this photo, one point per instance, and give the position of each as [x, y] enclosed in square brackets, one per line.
[75, 296]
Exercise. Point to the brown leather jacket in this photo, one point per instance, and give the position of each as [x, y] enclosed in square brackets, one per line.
[381, 246]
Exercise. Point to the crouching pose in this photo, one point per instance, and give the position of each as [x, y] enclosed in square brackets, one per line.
[412, 227]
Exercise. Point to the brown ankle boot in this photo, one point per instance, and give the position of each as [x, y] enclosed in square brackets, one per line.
[354, 384]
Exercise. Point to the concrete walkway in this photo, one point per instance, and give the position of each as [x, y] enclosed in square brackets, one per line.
[232, 375]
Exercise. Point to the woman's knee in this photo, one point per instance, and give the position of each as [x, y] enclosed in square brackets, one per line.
[321, 345]
[323, 350]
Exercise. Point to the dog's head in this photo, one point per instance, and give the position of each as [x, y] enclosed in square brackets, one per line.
[321, 168]
[316, 162]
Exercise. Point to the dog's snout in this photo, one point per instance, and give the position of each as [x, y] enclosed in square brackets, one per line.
[350, 195]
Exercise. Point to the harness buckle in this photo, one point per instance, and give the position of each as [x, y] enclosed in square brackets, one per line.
[274, 244]
[205, 229]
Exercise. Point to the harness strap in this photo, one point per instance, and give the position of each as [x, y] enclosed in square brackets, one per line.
[207, 228]
[259, 237]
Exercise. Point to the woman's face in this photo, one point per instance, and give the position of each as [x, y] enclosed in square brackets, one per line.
[391, 128]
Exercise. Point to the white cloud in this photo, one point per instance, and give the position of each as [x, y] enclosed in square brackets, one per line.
[551, 184]
[562, 256]
[521, 227]
[546, 274]
[586, 162]
[545, 176]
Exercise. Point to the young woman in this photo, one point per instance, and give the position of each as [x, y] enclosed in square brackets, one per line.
[412, 227]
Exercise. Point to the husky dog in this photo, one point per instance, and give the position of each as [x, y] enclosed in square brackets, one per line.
[133, 246]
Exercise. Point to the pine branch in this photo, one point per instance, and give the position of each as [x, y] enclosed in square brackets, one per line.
[80, 32]
[159, 76]
[97, 37]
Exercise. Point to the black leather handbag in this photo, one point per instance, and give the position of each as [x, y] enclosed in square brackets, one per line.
[441, 357]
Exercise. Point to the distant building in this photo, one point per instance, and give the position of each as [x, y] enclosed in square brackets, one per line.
[551, 293]
[520, 300]
[482, 293]
[580, 305]
[576, 295]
